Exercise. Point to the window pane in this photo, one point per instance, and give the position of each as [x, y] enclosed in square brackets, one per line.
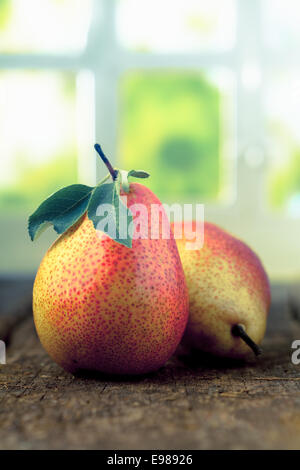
[281, 23]
[176, 25]
[282, 106]
[37, 136]
[172, 125]
[44, 26]
[37, 157]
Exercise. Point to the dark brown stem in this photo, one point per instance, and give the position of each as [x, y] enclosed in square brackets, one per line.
[238, 330]
[114, 173]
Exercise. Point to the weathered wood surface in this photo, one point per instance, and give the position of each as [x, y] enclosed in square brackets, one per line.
[192, 403]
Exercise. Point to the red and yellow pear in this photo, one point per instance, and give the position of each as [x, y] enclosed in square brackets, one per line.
[229, 293]
[99, 305]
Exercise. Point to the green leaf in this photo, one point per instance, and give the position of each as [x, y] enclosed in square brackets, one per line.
[138, 174]
[62, 209]
[124, 175]
[109, 214]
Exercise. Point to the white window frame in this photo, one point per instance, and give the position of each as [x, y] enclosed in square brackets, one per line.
[274, 236]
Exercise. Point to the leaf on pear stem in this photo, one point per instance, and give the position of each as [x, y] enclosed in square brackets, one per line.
[138, 174]
[62, 209]
[65, 207]
[109, 214]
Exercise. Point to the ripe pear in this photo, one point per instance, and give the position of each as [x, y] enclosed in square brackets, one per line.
[99, 305]
[229, 294]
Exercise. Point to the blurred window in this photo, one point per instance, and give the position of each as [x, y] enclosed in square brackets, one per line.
[37, 136]
[179, 125]
[176, 25]
[203, 95]
[281, 24]
[281, 35]
[53, 26]
[282, 107]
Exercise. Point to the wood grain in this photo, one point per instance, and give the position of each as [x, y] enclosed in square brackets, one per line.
[194, 402]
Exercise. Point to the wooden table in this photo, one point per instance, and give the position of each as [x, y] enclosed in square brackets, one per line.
[194, 402]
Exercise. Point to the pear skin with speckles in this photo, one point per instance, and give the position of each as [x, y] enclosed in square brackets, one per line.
[99, 305]
[227, 286]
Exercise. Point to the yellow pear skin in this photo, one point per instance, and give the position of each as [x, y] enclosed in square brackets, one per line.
[101, 306]
[229, 293]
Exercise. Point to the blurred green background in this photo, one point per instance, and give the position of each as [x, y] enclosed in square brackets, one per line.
[170, 124]
[61, 62]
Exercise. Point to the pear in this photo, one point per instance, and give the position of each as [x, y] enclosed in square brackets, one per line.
[229, 294]
[102, 306]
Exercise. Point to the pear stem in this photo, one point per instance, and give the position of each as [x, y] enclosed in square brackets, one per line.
[238, 330]
[114, 173]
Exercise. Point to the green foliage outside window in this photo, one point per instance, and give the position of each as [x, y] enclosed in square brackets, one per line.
[170, 126]
[37, 183]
